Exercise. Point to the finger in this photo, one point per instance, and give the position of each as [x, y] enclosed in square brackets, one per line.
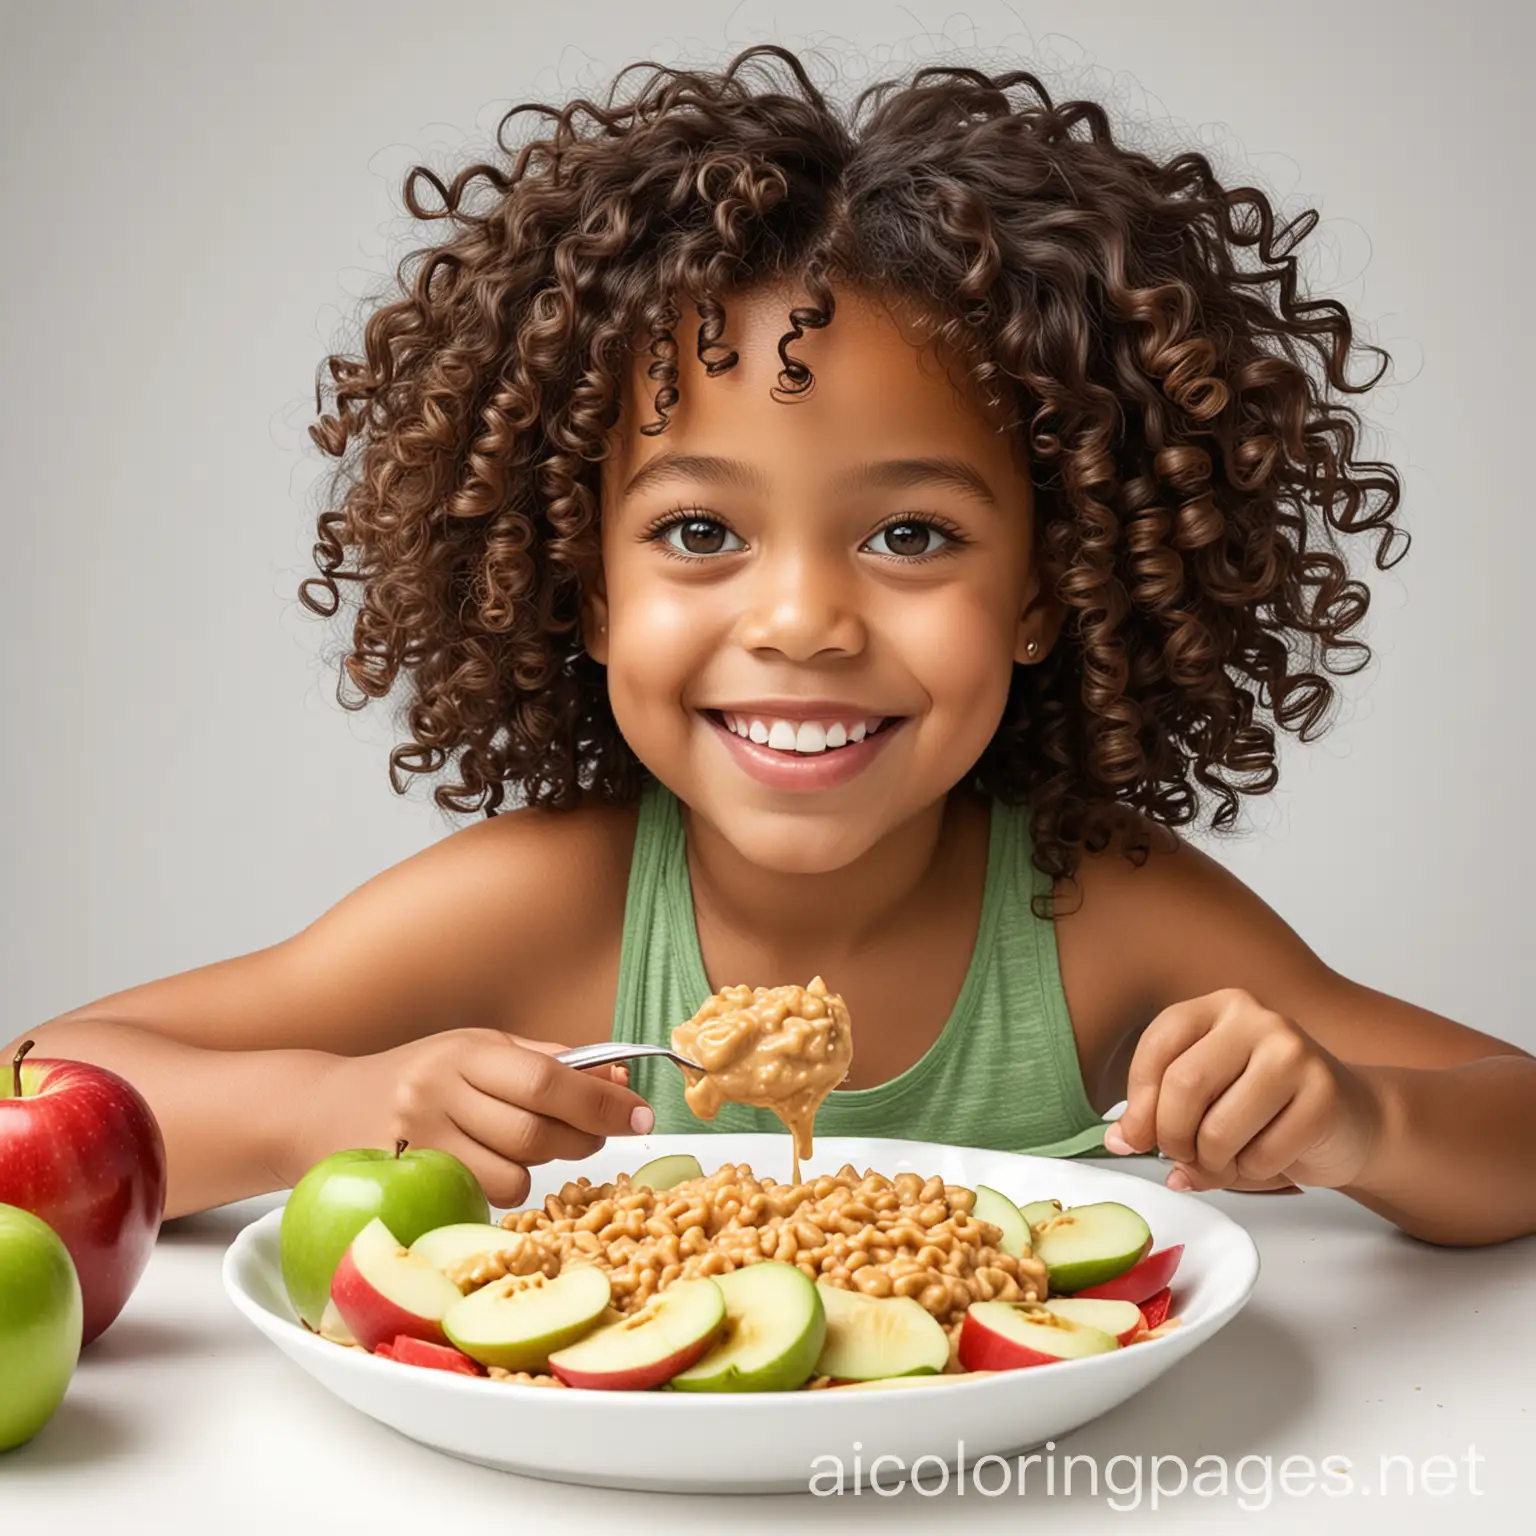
[506, 1183]
[1191, 1083]
[516, 1132]
[1285, 1140]
[614, 1072]
[533, 1080]
[1166, 1038]
[1240, 1114]
[1189, 1176]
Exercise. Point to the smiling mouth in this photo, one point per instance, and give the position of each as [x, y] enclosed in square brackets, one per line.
[800, 738]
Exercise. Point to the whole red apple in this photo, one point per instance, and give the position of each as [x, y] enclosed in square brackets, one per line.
[80, 1148]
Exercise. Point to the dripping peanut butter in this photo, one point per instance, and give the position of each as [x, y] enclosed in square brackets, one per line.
[778, 1048]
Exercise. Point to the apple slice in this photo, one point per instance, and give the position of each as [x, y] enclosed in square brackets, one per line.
[382, 1290]
[1122, 1319]
[775, 1325]
[870, 1338]
[1006, 1335]
[1039, 1210]
[515, 1322]
[444, 1247]
[1141, 1280]
[671, 1332]
[1155, 1309]
[663, 1173]
[332, 1326]
[435, 1357]
[1003, 1213]
[1089, 1244]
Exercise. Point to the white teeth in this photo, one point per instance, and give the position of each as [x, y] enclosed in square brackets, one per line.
[807, 737]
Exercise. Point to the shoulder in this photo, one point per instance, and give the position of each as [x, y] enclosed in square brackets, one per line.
[545, 868]
[529, 893]
[1166, 921]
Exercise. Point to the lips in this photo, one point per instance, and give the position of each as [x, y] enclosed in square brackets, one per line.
[789, 768]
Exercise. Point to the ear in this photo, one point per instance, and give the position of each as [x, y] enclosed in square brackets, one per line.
[594, 625]
[1040, 620]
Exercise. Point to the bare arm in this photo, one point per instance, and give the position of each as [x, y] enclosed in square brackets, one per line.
[1420, 1118]
[239, 1060]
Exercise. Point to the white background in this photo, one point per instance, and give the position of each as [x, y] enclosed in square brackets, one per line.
[195, 198]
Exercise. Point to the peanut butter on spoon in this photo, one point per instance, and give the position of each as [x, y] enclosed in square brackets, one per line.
[778, 1048]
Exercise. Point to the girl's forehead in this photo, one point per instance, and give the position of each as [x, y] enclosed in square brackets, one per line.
[882, 387]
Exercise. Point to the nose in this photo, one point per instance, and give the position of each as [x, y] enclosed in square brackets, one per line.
[803, 606]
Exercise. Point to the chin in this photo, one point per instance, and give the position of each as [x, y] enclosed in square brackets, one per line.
[801, 842]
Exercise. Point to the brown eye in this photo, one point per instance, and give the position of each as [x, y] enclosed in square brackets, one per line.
[908, 539]
[701, 536]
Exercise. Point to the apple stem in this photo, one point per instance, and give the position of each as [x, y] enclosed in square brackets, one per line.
[26, 1045]
[400, 1147]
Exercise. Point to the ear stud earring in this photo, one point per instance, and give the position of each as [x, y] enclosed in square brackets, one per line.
[1031, 647]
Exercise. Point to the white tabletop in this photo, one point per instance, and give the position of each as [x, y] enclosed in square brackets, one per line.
[1358, 1345]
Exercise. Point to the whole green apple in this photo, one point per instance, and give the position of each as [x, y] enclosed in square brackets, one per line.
[410, 1192]
[40, 1321]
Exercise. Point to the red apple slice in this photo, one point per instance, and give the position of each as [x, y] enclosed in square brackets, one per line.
[1085, 1245]
[516, 1322]
[1005, 1335]
[382, 1290]
[1155, 1309]
[667, 1335]
[1123, 1319]
[1140, 1281]
[435, 1357]
[332, 1327]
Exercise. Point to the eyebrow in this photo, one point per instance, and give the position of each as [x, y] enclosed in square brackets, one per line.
[881, 474]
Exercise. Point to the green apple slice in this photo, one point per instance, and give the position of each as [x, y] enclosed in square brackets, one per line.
[775, 1326]
[663, 1173]
[445, 1247]
[1003, 1213]
[667, 1335]
[872, 1337]
[1089, 1244]
[1039, 1210]
[516, 1322]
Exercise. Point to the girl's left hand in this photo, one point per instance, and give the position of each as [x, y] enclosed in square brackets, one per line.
[1242, 1098]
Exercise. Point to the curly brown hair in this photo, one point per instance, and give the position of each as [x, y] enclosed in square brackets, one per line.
[1191, 475]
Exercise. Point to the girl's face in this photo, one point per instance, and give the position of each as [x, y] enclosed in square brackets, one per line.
[810, 609]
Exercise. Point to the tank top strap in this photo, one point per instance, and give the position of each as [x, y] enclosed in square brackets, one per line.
[652, 992]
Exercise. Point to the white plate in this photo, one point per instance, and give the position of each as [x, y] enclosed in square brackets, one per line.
[770, 1442]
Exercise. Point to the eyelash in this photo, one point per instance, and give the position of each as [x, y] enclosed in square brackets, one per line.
[684, 514]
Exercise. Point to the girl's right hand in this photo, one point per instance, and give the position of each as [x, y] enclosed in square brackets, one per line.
[496, 1102]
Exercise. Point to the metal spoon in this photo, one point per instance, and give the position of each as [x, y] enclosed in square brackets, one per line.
[607, 1051]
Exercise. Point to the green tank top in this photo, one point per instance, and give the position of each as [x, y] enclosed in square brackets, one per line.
[1002, 1074]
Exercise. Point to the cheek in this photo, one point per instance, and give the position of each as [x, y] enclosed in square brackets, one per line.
[657, 642]
[960, 653]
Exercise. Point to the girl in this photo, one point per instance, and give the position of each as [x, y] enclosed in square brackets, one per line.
[853, 543]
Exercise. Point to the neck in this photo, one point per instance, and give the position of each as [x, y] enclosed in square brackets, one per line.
[836, 912]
